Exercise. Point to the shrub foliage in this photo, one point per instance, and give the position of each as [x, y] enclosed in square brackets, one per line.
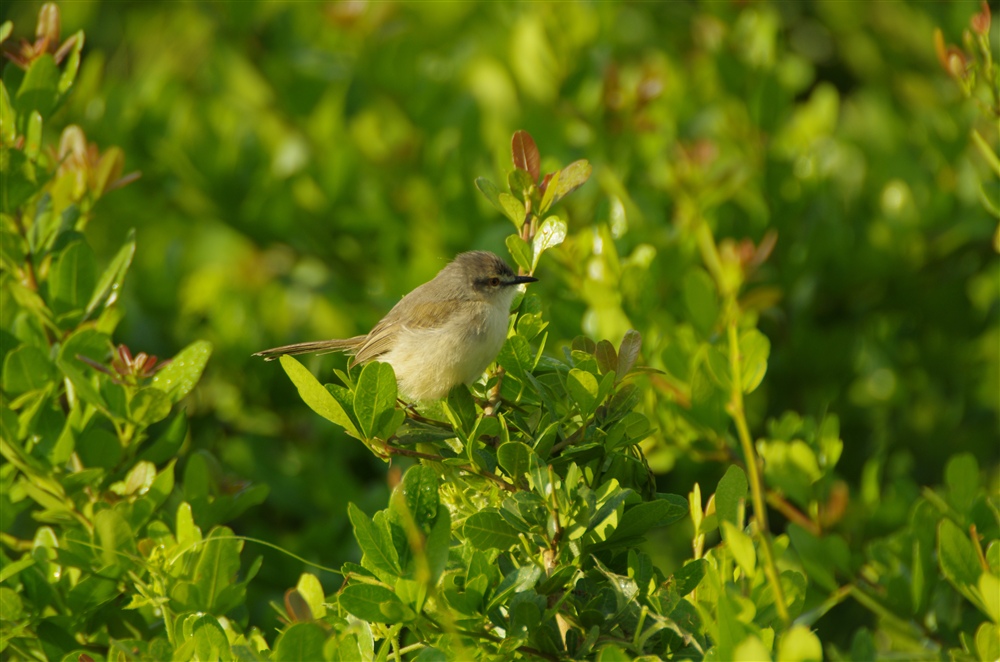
[527, 521]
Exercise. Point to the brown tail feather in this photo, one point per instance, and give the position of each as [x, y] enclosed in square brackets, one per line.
[336, 345]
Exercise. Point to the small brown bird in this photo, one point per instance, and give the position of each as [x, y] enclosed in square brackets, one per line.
[443, 333]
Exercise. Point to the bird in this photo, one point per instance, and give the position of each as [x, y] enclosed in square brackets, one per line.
[444, 333]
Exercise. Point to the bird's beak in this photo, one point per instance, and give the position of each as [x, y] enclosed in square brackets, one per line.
[517, 280]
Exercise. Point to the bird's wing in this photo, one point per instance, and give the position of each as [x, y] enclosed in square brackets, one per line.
[419, 315]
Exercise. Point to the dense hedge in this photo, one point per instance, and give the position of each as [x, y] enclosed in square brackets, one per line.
[768, 317]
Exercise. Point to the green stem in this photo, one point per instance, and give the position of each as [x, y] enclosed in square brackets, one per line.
[984, 148]
[753, 471]
[729, 291]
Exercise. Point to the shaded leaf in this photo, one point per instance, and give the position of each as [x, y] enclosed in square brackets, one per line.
[25, 369]
[488, 529]
[514, 458]
[607, 358]
[520, 251]
[640, 518]
[375, 400]
[375, 604]
[380, 554]
[628, 352]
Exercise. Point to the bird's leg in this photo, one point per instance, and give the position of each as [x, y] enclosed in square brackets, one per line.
[493, 396]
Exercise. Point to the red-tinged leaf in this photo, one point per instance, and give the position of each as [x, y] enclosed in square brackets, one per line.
[545, 183]
[525, 154]
[628, 351]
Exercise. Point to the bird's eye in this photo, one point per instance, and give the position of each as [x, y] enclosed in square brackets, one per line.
[495, 282]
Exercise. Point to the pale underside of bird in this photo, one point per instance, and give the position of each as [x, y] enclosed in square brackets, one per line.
[444, 333]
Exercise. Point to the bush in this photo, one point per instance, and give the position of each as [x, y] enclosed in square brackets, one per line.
[783, 215]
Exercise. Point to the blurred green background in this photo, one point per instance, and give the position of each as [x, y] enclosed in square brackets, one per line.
[305, 164]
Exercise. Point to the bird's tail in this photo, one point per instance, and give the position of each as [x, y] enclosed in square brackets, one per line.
[349, 345]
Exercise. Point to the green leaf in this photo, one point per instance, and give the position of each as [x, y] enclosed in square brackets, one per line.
[514, 458]
[487, 529]
[110, 283]
[311, 591]
[83, 386]
[687, 578]
[375, 400]
[730, 495]
[461, 409]
[375, 604]
[316, 397]
[754, 350]
[701, 299]
[300, 641]
[33, 139]
[169, 442]
[799, 644]
[564, 182]
[519, 182]
[438, 545]
[25, 369]
[379, 554]
[792, 467]
[72, 63]
[20, 180]
[420, 490]
[40, 88]
[640, 518]
[72, 278]
[512, 208]
[10, 605]
[988, 641]
[216, 568]
[115, 536]
[516, 357]
[582, 388]
[957, 557]
[612, 653]
[149, 405]
[520, 251]
[210, 641]
[86, 342]
[491, 192]
[989, 589]
[8, 117]
[550, 234]
[178, 377]
[741, 547]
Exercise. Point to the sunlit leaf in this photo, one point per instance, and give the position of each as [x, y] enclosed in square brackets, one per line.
[551, 233]
[182, 373]
[318, 398]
